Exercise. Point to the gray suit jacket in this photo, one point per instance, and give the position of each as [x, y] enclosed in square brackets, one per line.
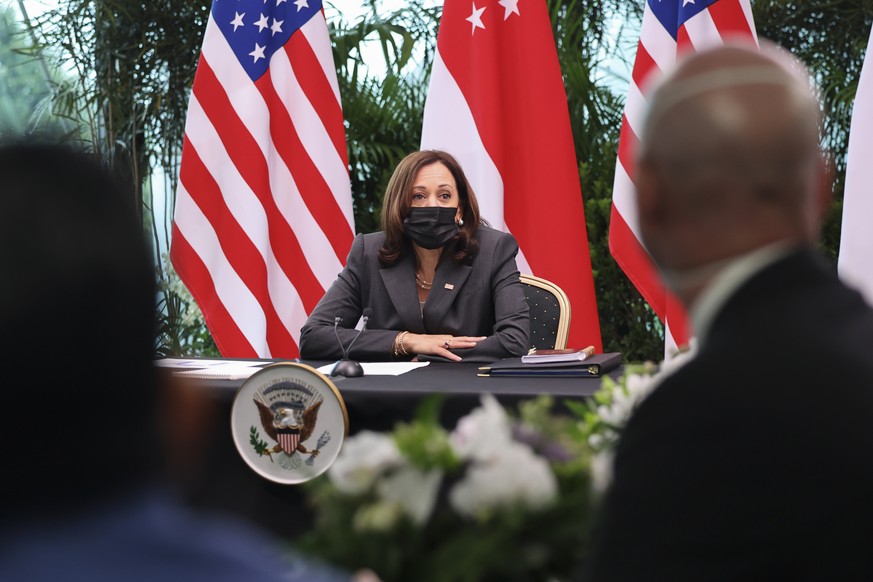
[483, 298]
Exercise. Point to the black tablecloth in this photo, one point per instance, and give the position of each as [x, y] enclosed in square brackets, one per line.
[377, 402]
[220, 479]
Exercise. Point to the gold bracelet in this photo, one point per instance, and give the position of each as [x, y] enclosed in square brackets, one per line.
[400, 349]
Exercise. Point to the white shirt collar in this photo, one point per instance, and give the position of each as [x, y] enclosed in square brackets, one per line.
[727, 281]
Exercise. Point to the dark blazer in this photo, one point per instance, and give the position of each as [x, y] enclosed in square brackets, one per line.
[483, 298]
[754, 461]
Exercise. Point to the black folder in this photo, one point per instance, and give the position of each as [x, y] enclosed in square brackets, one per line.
[591, 367]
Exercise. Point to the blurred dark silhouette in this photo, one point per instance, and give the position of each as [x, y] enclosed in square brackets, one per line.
[83, 447]
[751, 461]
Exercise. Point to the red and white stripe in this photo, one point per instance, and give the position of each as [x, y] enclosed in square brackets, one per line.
[263, 218]
[657, 53]
[856, 239]
[497, 102]
[288, 440]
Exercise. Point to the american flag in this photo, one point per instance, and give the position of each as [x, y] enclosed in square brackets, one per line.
[497, 102]
[856, 238]
[669, 29]
[263, 218]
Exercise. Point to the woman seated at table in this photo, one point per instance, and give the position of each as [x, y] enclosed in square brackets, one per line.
[437, 282]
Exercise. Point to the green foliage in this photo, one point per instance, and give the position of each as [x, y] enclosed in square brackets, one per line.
[383, 114]
[558, 435]
[583, 41]
[589, 413]
[513, 543]
[26, 83]
[261, 447]
[831, 38]
[180, 329]
[424, 441]
[129, 67]
[132, 64]
[176, 336]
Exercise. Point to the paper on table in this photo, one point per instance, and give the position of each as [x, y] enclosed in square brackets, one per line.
[199, 363]
[380, 368]
[226, 371]
[191, 363]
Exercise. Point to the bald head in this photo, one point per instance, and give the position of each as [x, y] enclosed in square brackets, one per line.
[729, 158]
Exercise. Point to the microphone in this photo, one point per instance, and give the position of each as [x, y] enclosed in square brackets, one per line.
[336, 321]
[346, 367]
[366, 318]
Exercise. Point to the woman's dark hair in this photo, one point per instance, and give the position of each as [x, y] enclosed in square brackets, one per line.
[398, 201]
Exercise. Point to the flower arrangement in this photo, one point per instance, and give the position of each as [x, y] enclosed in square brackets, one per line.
[605, 415]
[504, 495]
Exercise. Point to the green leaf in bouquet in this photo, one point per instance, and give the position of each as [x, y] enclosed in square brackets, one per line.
[514, 544]
[576, 408]
[428, 410]
[424, 442]
[426, 446]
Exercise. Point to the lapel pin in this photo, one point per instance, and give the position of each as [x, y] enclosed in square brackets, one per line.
[449, 286]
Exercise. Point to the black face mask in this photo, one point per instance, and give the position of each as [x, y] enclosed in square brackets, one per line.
[431, 227]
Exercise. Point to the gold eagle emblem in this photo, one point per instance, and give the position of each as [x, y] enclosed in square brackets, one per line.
[288, 415]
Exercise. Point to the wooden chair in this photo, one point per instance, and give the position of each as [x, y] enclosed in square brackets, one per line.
[549, 313]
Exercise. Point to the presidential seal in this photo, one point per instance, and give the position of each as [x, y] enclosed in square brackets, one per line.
[289, 422]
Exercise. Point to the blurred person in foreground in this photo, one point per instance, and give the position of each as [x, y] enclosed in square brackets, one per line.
[439, 282]
[80, 432]
[753, 460]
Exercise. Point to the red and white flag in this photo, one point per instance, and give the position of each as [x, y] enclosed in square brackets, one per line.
[669, 29]
[263, 218]
[855, 262]
[497, 102]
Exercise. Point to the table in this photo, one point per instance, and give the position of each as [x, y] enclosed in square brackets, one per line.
[215, 476]
[378, 402]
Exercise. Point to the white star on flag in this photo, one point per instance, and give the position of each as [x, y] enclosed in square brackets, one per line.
[476, 19]
[237, 20]
[510, 7]
[301, 4]
[262, 23]
[278, 2]
[258, 53]
[687, 2]
[263, 222]
[507, 122]
[277, 26]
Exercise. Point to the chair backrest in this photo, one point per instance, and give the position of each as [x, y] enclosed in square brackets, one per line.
[549, 313]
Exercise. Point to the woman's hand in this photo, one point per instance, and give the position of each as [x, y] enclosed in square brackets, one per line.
[439, 345]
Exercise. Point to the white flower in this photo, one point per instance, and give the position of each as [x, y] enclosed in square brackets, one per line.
[413, 490]
[624, 400]
[483, 433]
[362, 459]
[601, 440]
[601, 470]
[517, 475]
